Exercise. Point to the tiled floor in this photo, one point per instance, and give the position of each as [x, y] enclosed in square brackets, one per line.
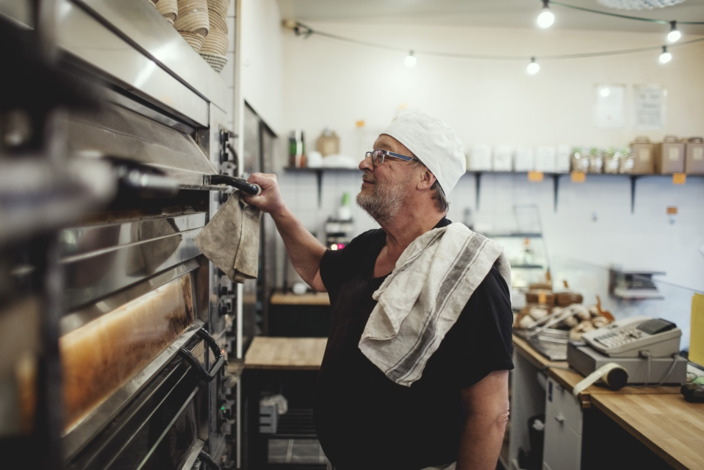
[295, 451]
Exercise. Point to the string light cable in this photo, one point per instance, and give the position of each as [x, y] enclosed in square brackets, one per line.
[301, 29]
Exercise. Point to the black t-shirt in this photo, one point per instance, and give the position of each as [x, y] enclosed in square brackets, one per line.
[366, 421]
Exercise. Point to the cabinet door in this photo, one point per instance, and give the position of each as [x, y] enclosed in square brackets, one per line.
[563, 429]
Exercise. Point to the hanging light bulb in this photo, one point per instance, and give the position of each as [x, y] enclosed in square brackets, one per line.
[533, 67]
[546, 18]
[674, 35]
[410, 60]
[665, 56]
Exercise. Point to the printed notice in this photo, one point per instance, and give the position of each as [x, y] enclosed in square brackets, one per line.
[609, 106]
[649, 102]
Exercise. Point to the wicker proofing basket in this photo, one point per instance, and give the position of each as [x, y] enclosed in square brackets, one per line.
[215, 43]
[168, 9]
[217, 22]
[216, 62]
[193, 17]
[219, 7]
[194, 39]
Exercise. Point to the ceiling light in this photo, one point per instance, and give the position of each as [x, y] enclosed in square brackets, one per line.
[674, 35]
[410, 60]
[546, 17]
[638, 4]
[533, 67]
[665, 56]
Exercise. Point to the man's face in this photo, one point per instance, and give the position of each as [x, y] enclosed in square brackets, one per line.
[384, 187]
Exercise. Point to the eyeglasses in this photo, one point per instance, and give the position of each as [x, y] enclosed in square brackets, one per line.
[379, 155]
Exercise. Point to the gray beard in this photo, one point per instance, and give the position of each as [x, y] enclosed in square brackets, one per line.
[383, 204]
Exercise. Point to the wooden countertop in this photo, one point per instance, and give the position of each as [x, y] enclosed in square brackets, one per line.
[670, 426]
[281, 353]
[658, 416]
[309, 298]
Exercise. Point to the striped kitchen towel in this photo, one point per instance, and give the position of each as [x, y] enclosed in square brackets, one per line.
[422, 298]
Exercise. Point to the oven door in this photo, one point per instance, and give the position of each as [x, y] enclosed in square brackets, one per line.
[165, 423]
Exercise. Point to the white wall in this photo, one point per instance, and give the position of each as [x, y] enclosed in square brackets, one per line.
[262, 72]
[329, 83]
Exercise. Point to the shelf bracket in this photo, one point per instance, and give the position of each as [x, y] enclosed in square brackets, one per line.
[633, 193]
[477, 188]
[319, 178]
[555, 189]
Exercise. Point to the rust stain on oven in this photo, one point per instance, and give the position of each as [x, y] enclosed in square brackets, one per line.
[106, 353]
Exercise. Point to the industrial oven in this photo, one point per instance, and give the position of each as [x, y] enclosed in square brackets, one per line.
[120, 340]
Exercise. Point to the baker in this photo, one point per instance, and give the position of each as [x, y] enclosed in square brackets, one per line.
[416, 369]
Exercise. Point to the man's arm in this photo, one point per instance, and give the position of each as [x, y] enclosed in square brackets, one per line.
[304, 250]
[487, 412]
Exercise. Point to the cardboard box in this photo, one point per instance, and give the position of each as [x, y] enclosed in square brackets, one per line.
[694, 156]
[669, 156]
[642, 153]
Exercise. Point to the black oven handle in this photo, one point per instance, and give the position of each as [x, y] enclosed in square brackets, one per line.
[205, 458]
[239, 183]
[205, 375]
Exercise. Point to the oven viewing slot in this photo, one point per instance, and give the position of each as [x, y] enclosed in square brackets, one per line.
[159, 426]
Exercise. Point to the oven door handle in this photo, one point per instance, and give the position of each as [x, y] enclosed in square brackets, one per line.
[205, 458]
[236, 182]
[205, 375]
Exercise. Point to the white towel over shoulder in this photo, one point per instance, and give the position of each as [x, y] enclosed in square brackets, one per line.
[424, 295]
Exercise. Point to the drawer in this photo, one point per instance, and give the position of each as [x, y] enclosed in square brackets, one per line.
[563, 448]
[562, 408]
[563, 429]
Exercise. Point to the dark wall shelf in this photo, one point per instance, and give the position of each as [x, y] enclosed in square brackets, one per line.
[478, 179]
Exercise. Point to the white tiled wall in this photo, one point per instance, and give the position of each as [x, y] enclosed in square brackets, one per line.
[591, 229]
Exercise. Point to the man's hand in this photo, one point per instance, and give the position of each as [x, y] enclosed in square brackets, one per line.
[269, 200]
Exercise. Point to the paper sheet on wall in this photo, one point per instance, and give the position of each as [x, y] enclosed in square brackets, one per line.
[649, 102]
[609, 106]
[696, 338]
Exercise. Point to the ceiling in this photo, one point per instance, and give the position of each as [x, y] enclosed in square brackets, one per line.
[494, 13]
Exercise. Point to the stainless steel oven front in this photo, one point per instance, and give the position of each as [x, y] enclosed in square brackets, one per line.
[118, 337]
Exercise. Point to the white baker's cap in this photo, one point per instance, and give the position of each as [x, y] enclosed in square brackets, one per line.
[434, 143]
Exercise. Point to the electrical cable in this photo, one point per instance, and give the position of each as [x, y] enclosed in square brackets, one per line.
[670, 369]
[302, 30]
